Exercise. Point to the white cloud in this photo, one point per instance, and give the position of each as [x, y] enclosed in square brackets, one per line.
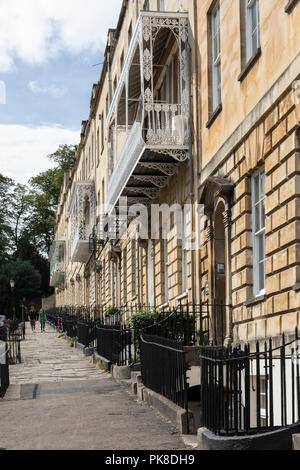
[52, 89]
[37, 30]
[24, 150]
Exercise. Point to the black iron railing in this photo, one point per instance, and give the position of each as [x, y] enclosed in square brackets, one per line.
[86, 332]
[163, 367]
[192, 324]
[70, 327]
[14, 348]
[108, 342]
[4, 373]
[117, 344]
[244, 392]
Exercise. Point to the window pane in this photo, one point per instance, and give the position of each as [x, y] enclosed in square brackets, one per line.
[263, 215]
[261, 247]
[257, 218]
[216, 59]
[256, 189]
[255, 43]
[261, 276]
[262, 179]
[254, 16]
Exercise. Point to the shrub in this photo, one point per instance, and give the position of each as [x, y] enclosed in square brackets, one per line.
[143, 319]
[111, 311]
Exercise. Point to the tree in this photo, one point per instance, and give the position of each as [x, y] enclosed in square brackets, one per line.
[46, 190]
[27, 283]
[27, 220]
[49, 182]
[6, 185]
[21, 201]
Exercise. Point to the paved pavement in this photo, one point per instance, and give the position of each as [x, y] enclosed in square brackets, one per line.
[59, 400]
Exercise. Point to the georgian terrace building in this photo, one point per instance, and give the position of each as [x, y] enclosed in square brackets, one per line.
[198, 104]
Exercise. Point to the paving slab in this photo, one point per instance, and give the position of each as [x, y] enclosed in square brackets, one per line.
[59, 400]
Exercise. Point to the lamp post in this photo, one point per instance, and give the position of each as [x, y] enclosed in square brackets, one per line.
[12, 286]
[23, 308]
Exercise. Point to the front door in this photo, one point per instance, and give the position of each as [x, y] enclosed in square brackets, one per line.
[219, 307]
[150, 275]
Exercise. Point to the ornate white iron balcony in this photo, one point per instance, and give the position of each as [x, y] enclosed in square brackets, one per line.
[149, 116]
[82, 219]
[57, 263]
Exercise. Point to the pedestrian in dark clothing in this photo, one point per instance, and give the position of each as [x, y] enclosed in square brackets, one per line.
[32, 318]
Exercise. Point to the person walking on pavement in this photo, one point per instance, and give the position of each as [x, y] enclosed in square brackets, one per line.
[42, 320]
[32, 318]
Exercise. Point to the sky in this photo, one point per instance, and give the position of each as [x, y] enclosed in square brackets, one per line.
[48, 50]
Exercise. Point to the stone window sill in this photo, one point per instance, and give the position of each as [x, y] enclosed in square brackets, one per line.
[249, 65]
[182, 296]
[296, 287]
[164, 305]
[290, 6]
[214, 116]
[255, 300]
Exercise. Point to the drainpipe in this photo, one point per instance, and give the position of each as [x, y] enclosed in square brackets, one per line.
[197, 74]
[191, 162]
[191, 169]
[197, 138]
[109, 76]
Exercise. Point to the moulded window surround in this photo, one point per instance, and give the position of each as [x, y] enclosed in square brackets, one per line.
[291, 5]
[214, 63]
[214, 116]
[216, 57]
[252, 30]
[98, 147]
[246, 69]
[250, 36]
[102, 133]
[258, 229]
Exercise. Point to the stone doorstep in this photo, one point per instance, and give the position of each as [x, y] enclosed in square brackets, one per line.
[165, 407]
[121, 372]
[106, 363]
[86, 351]
[170, 411]
[287, 438]
[296, 441]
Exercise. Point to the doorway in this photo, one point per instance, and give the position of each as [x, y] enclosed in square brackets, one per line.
[150, 274]
[219, 308]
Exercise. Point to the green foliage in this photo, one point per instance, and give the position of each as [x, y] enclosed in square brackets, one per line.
[46, 189]
[111, 311]
[6, 185]
[27, 283]
[27, 220]
[71, 344]
[143, 319]
[101, 364]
